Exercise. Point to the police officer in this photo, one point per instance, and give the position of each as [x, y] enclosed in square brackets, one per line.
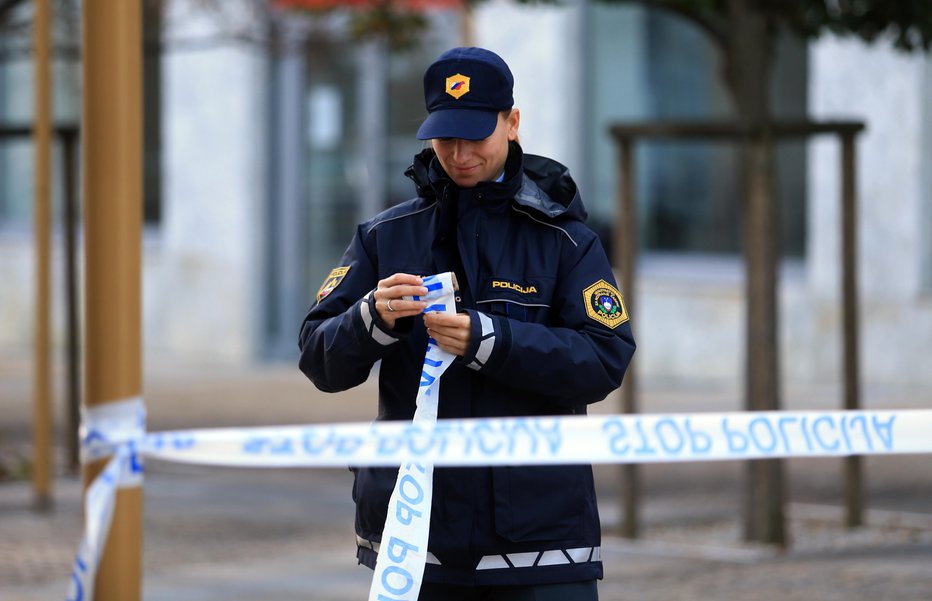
[541, 329]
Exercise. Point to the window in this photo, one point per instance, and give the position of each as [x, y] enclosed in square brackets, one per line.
[17, 152]
[16, 98]
[344, 115]
[364, 105]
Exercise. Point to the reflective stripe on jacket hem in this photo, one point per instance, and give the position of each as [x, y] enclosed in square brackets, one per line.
[553, 557]
[374, 546]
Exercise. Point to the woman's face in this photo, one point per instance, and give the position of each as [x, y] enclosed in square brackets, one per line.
[469, 162]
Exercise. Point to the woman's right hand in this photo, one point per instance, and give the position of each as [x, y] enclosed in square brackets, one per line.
[388, 297]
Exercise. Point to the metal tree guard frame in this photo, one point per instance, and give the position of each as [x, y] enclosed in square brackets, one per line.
[760, 260]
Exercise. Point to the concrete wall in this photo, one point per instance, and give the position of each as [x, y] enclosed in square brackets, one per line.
[201, 263]
[542, 47]
[889, 91]
[201, 289]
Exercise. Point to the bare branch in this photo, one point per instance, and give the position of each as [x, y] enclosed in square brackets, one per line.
[713, 24]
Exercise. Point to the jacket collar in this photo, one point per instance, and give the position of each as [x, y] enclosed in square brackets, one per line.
[488, 192]
[530, 181]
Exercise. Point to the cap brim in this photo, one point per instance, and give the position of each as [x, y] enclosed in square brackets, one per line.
[464, 124]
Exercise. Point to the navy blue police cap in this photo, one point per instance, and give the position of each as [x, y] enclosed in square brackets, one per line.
[464, 90]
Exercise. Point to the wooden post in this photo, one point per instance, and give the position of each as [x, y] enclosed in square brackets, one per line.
[112, 142]
[764, 499]
[42, 417]
[625, 249]
[849, 294]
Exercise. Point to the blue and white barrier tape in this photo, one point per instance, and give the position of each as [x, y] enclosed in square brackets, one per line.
[112, 430]
[117, 430]
[602, 439]
[639, 438]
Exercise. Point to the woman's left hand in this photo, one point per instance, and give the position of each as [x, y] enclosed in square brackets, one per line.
[452, 332]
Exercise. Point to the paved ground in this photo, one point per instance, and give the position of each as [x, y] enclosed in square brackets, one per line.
[231, 534]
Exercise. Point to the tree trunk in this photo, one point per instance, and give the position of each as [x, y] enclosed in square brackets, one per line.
[748, 63]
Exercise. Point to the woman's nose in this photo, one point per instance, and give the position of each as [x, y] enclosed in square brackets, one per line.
[460, 150]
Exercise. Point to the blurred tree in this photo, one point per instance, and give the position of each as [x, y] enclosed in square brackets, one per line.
[399, 22]
[745, 31]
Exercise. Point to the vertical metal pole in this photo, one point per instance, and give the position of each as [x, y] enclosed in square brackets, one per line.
[290, 160]
[112, 138]
[371, 107]
[42, 418]
[73, 399]
[764, 500]
[625, 249]
[849, 294]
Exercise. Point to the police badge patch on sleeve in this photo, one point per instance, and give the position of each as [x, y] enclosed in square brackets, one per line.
[333, 280]
[604, 304]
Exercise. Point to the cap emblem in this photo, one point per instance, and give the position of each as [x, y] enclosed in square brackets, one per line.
[457, 85]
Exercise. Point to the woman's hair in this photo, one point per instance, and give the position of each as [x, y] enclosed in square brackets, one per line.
[504, 115]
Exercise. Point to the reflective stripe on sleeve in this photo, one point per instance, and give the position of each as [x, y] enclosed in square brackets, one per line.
[371, 327]
[486, 345]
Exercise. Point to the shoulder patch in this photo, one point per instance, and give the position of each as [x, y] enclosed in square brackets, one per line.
[604, 304]
[333, 280]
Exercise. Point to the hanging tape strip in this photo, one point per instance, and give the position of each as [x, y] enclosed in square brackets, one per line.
[399, 568]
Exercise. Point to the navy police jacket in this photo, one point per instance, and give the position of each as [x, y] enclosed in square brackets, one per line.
[549, 336]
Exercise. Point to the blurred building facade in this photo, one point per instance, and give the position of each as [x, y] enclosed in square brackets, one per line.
[269, 137]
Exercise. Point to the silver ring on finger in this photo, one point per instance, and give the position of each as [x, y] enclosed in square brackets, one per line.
[388, 304]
